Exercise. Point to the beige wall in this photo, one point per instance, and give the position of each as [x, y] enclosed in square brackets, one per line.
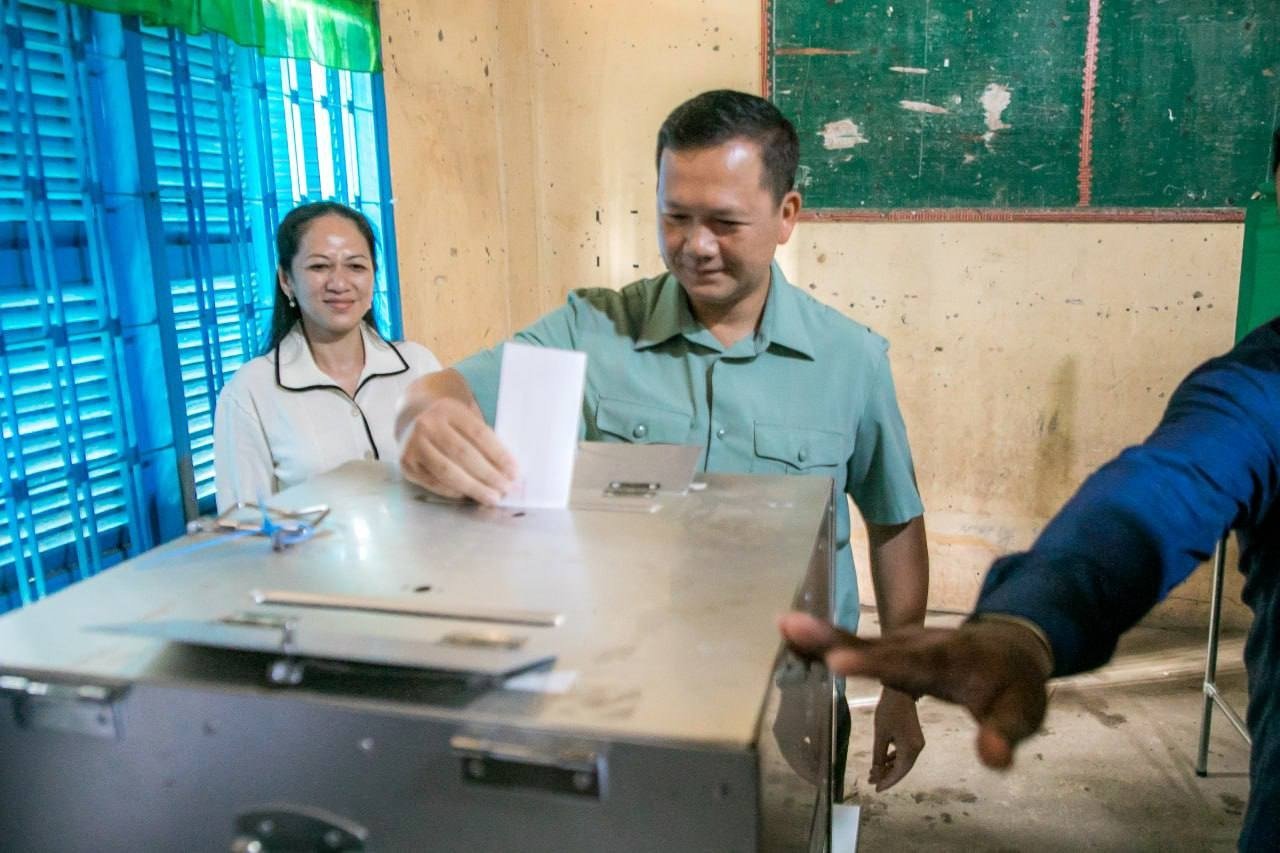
[1025, 354]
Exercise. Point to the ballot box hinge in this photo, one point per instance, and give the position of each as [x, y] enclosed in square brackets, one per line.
[76, 707]
[559, 769]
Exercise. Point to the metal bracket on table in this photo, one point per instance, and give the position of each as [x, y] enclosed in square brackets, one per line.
[87, 709]
[559, 769]
[631, 477]
[288, 669]
[618, 489]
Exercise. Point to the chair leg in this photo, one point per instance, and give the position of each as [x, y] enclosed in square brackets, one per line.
[1211, 657]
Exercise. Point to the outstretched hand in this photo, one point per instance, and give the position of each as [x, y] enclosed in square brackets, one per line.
[997, 670]
[450, 450]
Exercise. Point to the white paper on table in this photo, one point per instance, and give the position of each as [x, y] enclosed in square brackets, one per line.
[539, 406]
[554, 682]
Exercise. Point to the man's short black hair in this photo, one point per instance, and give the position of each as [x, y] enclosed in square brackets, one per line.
[713, 118]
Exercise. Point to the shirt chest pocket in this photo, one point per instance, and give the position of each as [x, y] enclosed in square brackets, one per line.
[639, 423]
[793, 450]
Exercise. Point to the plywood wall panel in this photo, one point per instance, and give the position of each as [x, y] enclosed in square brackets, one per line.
[440, 60]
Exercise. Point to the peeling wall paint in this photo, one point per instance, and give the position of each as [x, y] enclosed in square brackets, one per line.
[843, 133]
[922, 107]
[996, 98]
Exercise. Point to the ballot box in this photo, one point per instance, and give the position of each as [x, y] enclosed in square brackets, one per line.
[421, 675]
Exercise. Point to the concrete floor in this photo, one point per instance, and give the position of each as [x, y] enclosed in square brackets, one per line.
[1114, 768]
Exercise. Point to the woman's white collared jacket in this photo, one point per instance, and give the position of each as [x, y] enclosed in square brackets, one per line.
[281, 420]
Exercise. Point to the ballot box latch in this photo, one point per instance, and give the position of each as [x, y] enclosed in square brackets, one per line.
[78, 708]
[577, 771]
[291, 828]
[632, 489]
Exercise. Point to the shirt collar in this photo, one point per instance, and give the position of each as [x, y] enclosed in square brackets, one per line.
[296, 369]
[783, 323]
[669, 316]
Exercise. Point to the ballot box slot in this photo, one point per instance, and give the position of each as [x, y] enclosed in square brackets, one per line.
[78, 708]
[569, 769]
[317, 640]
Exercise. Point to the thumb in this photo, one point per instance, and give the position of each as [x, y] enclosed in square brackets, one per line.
[1014, 715]
[809, 635]
[993, 749]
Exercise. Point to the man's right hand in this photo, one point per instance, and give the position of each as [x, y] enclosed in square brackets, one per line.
[997, 670]
[447, 447]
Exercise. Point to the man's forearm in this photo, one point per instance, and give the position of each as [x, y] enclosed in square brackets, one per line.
[900, 572]
[428, 389]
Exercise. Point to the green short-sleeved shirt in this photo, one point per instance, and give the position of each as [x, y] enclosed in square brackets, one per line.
[809, 393]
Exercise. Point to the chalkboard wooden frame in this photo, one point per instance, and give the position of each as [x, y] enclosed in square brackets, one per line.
[1085, 210]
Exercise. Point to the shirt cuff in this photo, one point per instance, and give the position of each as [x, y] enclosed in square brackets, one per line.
[1011, 619]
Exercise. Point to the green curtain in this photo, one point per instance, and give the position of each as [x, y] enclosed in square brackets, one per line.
[1260, 263]
[334, 33]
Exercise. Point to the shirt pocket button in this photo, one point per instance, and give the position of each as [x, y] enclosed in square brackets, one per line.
[640, 431]
[803, 455]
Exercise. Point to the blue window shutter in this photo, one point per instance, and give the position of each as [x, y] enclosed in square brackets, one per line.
[192, 107]
[69, 494]
[326, 133]
[142, 172]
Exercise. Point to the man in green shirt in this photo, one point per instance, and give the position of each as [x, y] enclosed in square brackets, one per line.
[721, 352]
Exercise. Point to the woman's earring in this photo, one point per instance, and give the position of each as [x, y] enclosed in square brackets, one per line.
[292, 304]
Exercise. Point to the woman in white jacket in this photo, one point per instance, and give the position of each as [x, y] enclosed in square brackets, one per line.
[324, 390]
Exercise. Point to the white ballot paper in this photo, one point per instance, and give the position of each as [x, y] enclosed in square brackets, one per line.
[539, 406]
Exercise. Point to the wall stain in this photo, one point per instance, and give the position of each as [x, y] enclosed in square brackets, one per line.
[1055, 450]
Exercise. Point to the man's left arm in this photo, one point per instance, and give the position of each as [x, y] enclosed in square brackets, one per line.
[900, 575]
[881, 481]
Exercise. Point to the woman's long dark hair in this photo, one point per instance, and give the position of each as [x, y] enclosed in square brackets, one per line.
[288, 238]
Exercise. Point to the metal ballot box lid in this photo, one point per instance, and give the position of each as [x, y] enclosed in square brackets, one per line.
[643, 627]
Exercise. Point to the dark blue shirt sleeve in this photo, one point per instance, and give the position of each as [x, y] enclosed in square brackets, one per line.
[1144, 521]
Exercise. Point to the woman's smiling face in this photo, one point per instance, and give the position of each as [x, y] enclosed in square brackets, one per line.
[331, 278]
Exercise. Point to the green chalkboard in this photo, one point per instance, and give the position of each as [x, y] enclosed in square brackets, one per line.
[1027, 104]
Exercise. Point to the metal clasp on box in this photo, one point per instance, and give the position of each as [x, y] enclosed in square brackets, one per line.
[87, 709]
[285, 671]
[621, 489]
[560, 769]
[279, 827]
